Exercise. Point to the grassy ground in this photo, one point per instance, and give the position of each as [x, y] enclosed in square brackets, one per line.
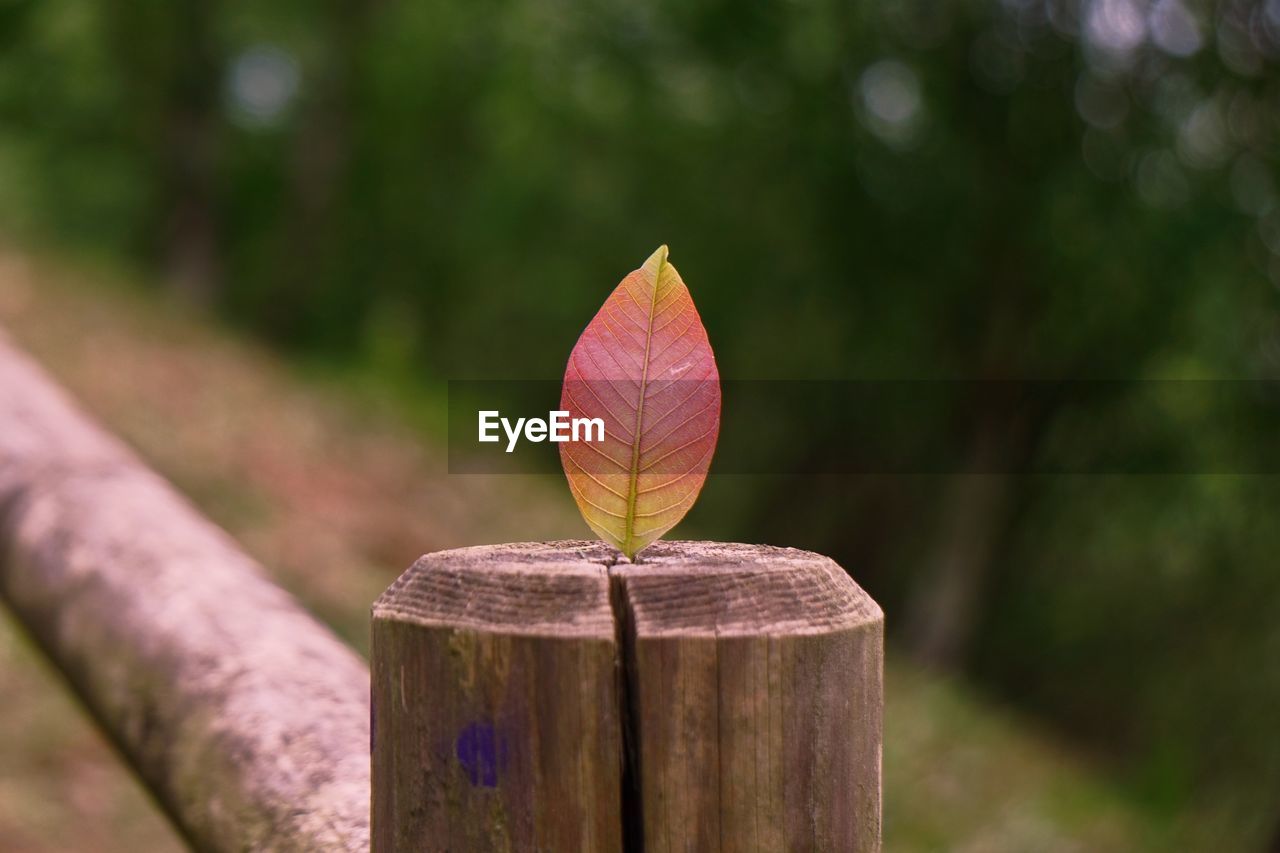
[326, 485]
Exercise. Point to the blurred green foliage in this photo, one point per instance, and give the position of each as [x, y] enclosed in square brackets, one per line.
[964, 189]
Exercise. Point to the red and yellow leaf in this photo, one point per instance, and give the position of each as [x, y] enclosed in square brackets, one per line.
[645, 368]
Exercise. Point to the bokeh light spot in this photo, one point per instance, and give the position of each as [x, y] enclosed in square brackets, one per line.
[262, 83]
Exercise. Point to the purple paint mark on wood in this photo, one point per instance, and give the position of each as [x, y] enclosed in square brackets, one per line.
[482, 752]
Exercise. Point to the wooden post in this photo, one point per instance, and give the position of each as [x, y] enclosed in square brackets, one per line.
[545, 697]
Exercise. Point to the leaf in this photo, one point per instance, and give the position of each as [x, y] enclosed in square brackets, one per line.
[645, 368]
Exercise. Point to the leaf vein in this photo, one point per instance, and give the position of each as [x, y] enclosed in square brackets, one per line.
[578, 494]
[595, 479]
[658, 442]
[675, 450]
[569, 393]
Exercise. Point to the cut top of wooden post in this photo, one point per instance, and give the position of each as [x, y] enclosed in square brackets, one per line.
[711, 696]
[687, 588]
[727, 589]
[527, 589]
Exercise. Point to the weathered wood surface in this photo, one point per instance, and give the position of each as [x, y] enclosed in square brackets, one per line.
[747, 708]
[756, 679]
[496, 720]
[247, 718]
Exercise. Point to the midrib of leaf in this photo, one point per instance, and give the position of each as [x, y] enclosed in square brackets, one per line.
[633, 483]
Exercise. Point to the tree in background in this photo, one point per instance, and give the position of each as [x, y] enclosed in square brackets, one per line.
[1002, 191]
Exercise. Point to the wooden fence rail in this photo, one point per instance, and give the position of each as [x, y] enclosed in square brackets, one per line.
[247, 718]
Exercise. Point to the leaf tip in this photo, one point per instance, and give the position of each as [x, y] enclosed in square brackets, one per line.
[658, 258]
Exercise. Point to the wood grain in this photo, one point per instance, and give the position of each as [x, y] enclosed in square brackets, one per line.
[712, 698]
[247, 719]
[495, 706]
[756, 692]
